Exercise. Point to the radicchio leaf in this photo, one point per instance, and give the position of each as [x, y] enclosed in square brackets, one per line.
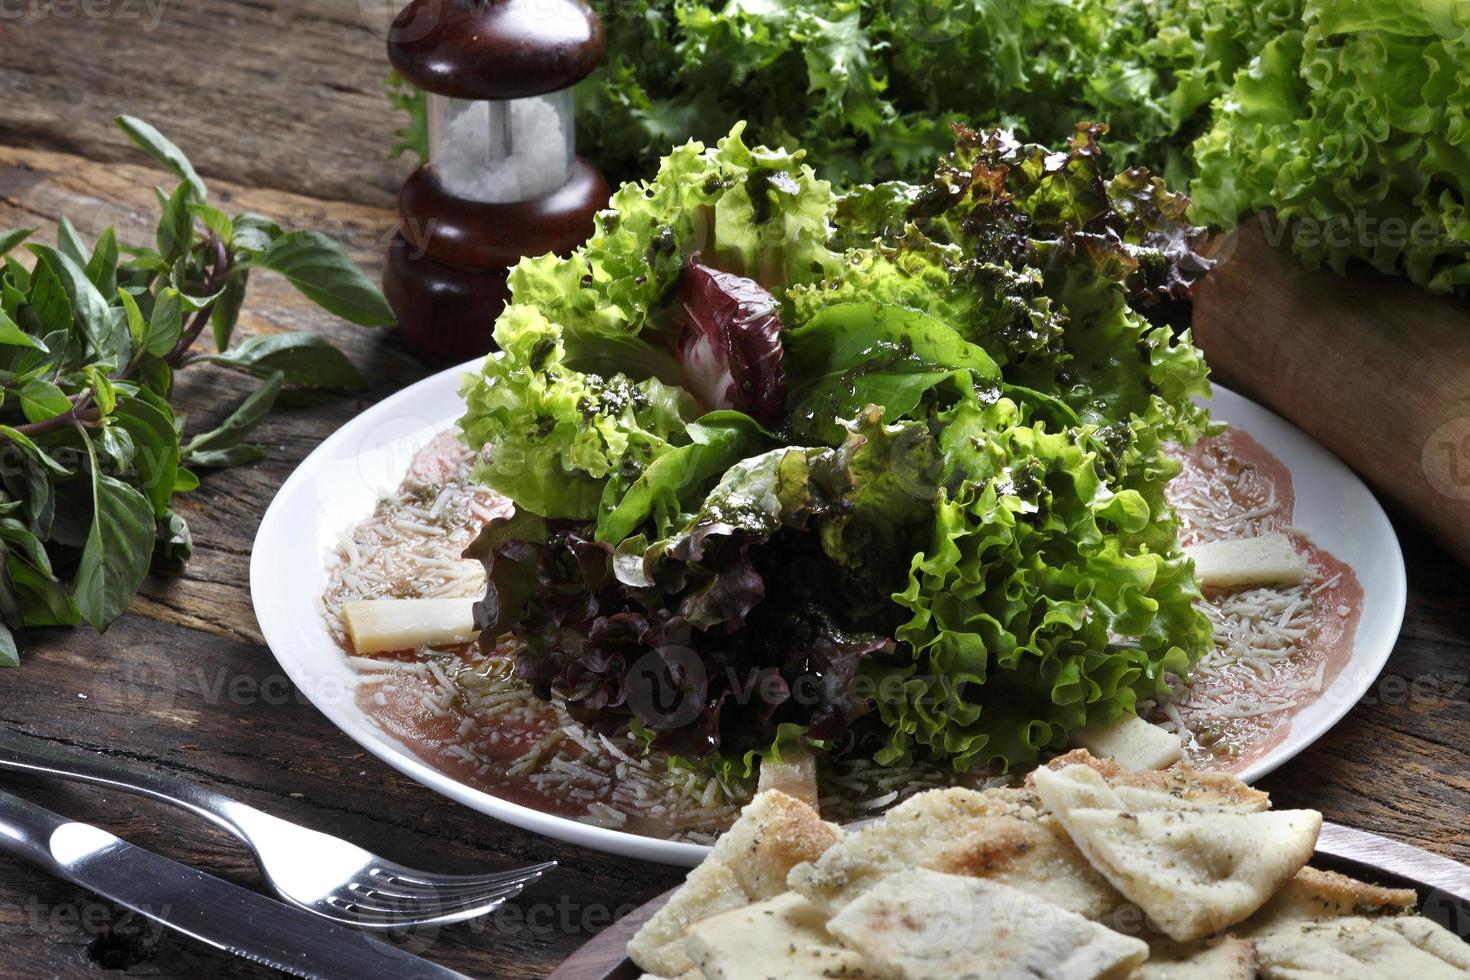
[731, 347]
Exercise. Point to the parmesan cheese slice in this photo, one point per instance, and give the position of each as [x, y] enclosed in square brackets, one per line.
[795, 774]
[380, 625]
[1132, 743]
[1235, 563]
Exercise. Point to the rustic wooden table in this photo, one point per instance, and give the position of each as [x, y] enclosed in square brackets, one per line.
[280, 104]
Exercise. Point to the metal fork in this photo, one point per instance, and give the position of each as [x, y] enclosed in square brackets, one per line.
[309, 869]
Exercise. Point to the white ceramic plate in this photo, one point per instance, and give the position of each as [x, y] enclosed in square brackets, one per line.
[339, 483]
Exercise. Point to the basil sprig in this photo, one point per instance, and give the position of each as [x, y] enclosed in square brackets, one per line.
[91, 451]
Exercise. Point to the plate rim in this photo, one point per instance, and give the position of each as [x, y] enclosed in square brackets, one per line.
[282, 633]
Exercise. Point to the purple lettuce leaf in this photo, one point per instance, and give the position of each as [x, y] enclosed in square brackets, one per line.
[731, 346]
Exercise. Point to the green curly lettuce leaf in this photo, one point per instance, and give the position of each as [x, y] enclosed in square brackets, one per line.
[1044, 601]
[554, 436]
[750, 211]
[1354, 127]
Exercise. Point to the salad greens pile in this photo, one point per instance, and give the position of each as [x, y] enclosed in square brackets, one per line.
[883, 471]
[872, 87]
[1354, 126]
[1347, 118]
[90, 339]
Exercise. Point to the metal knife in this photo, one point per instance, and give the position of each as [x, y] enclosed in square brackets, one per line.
[201, 906]
[1405, 860]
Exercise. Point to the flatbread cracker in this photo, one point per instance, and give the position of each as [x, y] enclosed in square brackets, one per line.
[1313, 894]
[749, 863]
[710, 888]
[1000, 834]
[782, 938]
[1362, 948]
[924, 925]
[1226, 959]
[1194, 873]
[1173, 789]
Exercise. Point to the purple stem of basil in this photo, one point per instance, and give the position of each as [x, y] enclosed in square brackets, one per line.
[731, 347]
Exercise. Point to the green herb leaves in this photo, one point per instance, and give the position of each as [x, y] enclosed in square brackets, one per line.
[304, 359]
[318, 267]
[159, 147]
[91, 453]
[117, 553]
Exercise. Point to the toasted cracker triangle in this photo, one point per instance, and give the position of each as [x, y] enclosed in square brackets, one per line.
[1193, 872]
[919, 924]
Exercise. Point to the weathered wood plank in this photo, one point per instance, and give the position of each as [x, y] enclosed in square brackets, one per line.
[281, 94]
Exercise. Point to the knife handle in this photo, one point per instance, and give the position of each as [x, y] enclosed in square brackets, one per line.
[29, 832]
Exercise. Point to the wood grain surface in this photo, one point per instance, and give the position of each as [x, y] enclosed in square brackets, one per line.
[279, 102]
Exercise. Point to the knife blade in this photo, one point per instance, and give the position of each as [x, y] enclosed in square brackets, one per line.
[1395, 857]
[201, 906]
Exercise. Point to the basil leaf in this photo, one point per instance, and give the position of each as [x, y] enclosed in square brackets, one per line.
[137, 326]
[29, 445]
[240, 423]
[175, 546]
[119, 546]
[18, 534]
[12, 335]
[9, 655]
[42, 400]
[10, 608]
[304, 358]
[118, 445]
[215, 220]
[326, 275]
[13, 237]
[31, 483]
[46, 602]
[102, 267]
[175, 224]
[156, 462]
[17, 274]
[48, 301]
[88, 306]
[254, 233]
[70, 244]
[154, 376]
[226, 312]
[166, 323]
[165, 152]
[221, 459]
[103, 392]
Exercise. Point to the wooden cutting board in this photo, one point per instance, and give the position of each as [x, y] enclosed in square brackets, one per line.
[1374, 367]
